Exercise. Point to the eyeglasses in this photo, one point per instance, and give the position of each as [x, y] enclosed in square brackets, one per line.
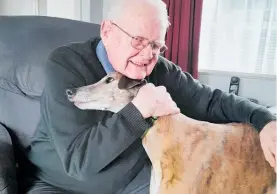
[140, 43]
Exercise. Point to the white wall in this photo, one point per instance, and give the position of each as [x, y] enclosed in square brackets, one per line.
[262, 88]
[63, 8]
[84, 10]
[16, 7]
[96, 11]
[106, 6]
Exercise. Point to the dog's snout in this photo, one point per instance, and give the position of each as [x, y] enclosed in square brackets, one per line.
[70, 92]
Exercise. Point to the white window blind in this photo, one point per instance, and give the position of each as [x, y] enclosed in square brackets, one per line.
[238, 36]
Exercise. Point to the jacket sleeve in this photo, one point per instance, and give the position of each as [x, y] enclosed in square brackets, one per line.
[84, 144]
[201, 102]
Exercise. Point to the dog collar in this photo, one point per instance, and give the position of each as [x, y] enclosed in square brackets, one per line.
[152, 119]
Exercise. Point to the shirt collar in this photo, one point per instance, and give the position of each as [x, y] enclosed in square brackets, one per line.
[103, 57]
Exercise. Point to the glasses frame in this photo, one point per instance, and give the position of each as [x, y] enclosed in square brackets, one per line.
[152, 43]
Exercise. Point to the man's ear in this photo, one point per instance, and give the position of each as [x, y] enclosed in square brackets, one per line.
[127, 83]
[105, 29]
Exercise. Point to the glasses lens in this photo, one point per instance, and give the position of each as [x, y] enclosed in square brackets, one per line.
[139, 42]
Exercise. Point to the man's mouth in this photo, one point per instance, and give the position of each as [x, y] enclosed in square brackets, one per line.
[139, 64]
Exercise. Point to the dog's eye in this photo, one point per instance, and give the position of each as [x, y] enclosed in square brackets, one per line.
[109, 80]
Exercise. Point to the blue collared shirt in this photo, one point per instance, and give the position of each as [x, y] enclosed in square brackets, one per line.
[103, 57]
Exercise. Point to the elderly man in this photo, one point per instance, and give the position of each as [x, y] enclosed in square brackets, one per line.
[98, 152]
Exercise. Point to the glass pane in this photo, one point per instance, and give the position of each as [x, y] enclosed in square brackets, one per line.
[238, 35]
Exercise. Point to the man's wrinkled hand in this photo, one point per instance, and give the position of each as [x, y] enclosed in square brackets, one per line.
[268, 143]
[154, 101]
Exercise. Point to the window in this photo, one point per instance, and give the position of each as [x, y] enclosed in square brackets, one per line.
[238, 36]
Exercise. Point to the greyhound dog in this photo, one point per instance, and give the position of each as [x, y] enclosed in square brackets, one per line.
[187, 155]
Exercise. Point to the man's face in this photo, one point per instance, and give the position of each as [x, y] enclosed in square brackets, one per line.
[125, 53]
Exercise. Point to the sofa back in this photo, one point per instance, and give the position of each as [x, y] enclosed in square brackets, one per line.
[25, 44]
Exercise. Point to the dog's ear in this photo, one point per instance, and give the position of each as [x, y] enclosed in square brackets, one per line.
[127, 83]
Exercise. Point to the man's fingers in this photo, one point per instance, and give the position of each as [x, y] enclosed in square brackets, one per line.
[269, 157]
[273, 148]
[176, 110]
[172, 109]
[268, 143]
[162, 88]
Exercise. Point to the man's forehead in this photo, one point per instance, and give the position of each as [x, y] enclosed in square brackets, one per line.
[144, 21]
[151, 30]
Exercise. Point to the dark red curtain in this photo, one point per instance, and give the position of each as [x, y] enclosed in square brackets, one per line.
[182, 38]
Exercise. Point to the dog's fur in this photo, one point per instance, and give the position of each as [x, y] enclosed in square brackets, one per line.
[187, 155]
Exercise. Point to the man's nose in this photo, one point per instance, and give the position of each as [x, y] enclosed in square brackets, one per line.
[148, 52]
[71, 92]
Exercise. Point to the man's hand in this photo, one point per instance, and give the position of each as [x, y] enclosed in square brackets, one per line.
[268, 142]
[154, 101]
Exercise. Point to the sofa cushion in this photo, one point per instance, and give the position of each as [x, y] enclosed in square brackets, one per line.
[8, 180]
[20, 114]
[26, 42]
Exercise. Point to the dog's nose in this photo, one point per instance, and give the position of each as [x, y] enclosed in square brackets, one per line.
[70, 92]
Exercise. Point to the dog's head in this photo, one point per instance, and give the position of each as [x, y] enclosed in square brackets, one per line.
[111, 93]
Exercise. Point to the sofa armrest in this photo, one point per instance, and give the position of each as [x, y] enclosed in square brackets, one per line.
[8, 181]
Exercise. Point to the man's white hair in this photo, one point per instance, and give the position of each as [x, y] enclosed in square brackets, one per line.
[117, 7]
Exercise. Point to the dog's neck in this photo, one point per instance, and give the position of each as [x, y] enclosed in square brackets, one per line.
[169, 166]
[162, 125]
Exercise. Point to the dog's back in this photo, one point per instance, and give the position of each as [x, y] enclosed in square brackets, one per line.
[240, 167]
[203, 158]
